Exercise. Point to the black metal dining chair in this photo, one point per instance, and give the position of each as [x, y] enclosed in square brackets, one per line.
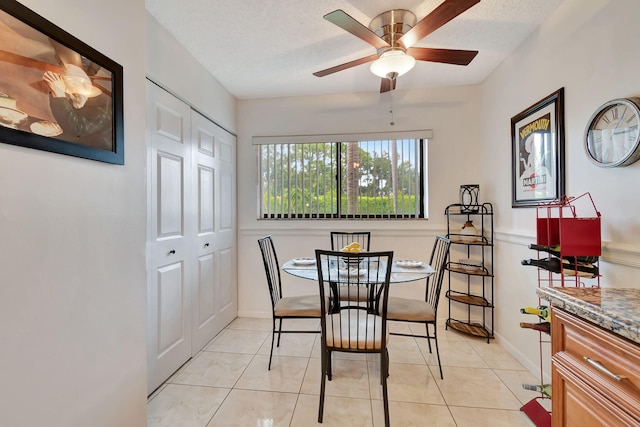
[340, 239]
[293, 307]
[354, 327]
[424, 311]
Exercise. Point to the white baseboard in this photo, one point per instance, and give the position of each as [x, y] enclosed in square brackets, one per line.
[532, 366]
[255, 314]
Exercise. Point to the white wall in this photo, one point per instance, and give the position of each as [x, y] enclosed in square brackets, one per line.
[73, 296]
[453, 115]
[171, 66]
[591, 49]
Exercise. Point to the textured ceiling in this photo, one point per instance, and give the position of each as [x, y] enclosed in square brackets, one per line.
[270, 48]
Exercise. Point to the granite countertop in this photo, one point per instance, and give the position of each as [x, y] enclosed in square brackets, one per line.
[614, 309]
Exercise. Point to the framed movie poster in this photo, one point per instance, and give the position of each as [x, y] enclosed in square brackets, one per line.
[57, 93]
[537, 145]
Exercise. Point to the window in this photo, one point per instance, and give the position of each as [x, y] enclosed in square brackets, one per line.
[381, 178]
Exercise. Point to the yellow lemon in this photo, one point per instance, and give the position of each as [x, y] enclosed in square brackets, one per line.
[352, 247]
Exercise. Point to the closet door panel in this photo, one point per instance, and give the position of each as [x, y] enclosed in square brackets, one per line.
[206, 298]
[226, 226]
[206, 320]
[169, 254]
[191, 232]
[226, 293]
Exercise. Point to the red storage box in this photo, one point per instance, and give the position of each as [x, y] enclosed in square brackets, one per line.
[580, 236]
[558, 223]
[548, 231]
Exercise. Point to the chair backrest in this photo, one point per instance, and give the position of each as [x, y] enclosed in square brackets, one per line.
[354, 326]
[439, 258]
[340, 239]
[271, 268]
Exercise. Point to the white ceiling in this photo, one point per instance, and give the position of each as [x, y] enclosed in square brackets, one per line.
[270, 48]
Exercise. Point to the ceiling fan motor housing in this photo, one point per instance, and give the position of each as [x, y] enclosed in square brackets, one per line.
[391, 25]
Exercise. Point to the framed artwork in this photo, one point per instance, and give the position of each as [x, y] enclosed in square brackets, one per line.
[537, 146]
[57, 93]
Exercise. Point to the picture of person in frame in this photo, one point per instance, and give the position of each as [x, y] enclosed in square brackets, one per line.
[81, 110]
[50, 90]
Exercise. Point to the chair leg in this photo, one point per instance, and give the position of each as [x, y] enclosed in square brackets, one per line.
[323, 363]
[384, 372]
[387, 352]
[426, 325]
[329, 365]
[279, 332]
[435, 337]
[384, 362]
[273, 336]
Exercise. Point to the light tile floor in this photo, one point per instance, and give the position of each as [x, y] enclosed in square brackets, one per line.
[228, 384]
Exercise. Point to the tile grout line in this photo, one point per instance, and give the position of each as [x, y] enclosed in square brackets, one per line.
[299, 392]
[239, 376]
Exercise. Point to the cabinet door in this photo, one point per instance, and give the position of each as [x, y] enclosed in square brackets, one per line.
[575, 404]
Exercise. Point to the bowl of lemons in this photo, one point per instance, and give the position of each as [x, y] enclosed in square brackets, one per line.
[352, 262]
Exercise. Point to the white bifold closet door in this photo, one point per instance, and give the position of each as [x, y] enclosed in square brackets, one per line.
[191, 245]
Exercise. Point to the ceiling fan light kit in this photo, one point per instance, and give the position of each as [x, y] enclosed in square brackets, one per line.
[392, 64]
[393, 33]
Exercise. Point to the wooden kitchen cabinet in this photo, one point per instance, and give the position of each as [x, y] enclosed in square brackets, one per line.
[595, 375]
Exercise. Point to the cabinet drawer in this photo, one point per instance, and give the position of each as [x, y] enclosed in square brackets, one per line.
[574, 339]
[575, 404]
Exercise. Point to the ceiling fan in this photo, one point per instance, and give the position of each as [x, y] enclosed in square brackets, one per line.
[393, 33]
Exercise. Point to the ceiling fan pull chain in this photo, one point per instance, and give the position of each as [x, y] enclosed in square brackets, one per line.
[392, 123]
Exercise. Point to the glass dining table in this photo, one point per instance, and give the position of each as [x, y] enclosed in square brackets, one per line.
[401, 271]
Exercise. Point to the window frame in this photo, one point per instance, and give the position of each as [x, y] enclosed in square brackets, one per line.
[421, 161]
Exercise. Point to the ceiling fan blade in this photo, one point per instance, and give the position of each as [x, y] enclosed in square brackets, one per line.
[442, 14]
[346, 65]
[446, 56]
[387, 85]
[347, 23]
